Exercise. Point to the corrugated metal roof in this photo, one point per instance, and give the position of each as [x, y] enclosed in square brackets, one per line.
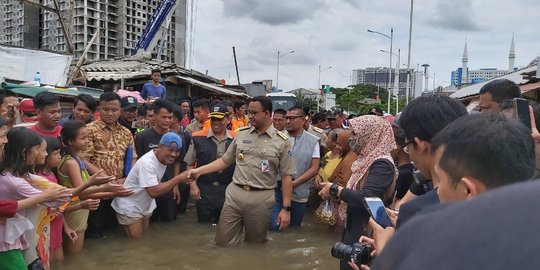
[516, 77]
[212, 88]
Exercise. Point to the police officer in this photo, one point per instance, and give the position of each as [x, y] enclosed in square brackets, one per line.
[259, 152]
[207, 146]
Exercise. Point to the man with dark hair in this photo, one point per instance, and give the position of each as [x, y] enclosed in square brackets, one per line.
[335, 118]
[376, 111]
[306, 153]
[9, 107]
[239, 118]
[181, 166]
[147, 141]
[420, 121]
[319, 120]
[207, 146]
[260, 153]
[128, 113]
[48, 110]
[278, 119]
[154, 90]
[200, 113]
[465, 168]
[495, 92]
[84, 106]
[111, 148]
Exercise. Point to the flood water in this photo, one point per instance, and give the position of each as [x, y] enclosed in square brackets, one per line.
[186, 244]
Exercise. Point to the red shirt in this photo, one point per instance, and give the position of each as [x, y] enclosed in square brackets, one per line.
[42, 133]
[8, 208]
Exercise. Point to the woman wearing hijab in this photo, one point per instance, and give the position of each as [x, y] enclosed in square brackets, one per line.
[373, 175]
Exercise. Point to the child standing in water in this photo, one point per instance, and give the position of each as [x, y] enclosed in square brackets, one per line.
[72, 173]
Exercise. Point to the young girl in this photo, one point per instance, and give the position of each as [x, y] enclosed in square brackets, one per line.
[72, 173]
[51, 163]
[3, 136]
[21, 152]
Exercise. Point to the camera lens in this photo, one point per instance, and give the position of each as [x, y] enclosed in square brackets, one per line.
[341, 251]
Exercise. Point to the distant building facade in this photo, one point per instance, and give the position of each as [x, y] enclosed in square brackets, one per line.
[378, 76]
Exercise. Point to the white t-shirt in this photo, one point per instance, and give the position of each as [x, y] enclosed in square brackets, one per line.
[146, 172]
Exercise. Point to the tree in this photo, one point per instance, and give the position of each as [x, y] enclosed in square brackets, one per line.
[354, 99]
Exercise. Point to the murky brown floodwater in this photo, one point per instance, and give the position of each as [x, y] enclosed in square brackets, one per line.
[186, 244]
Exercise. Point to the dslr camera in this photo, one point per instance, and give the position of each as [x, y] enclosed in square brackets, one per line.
[358, 252]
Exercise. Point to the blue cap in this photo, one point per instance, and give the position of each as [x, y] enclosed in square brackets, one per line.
[171, 137]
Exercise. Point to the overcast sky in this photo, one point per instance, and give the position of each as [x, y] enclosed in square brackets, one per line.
[333, 33]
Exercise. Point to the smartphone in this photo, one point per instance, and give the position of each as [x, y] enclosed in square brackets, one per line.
[521, 108]
[377, 210]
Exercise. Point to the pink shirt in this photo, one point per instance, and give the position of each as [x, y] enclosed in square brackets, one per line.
[15, 188]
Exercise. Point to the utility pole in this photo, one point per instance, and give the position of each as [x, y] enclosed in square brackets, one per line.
[236, 65]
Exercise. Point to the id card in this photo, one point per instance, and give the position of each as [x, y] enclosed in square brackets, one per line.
[265, 167]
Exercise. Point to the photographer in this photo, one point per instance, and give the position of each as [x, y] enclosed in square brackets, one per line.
[373, 175]
[465, 168]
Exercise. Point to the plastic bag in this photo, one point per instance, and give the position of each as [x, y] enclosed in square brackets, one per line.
[325, 213]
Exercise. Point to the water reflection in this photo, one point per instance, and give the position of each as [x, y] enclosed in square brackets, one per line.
[188, 245]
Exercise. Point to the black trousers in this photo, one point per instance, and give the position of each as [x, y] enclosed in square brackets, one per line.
[211, 202]
[166, 208]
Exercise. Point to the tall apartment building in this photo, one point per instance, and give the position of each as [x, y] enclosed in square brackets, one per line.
[379, 76]
[119, 24]
[19, 24]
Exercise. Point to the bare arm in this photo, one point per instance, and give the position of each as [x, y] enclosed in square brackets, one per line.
[308, 174]
[162, 188]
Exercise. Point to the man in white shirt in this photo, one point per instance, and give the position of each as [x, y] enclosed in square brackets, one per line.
[133, 212]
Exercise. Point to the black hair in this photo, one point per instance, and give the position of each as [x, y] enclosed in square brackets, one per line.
[177, 112]
[69, 132]
[227, 103]
[495, 150]
[156, 70]
[44, 99]
[184, 100]
[201, 103]
[333, 134]
[280, 111]
[318, 117]
[52, 145]
[399, 136]
[141, 111]
[238, 104]
[20, 141]
[3, 122]
[501, 89]
[296, 108]
[7, 93]
[150, 108]
[110, 96]
[425, 116]
[163, 104]
[88, 100]
[266, 103]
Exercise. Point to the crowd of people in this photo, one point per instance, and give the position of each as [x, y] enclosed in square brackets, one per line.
[251, 169]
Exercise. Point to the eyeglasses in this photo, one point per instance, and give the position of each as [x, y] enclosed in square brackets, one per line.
[252, 112]
[292, 117]
[406, 147]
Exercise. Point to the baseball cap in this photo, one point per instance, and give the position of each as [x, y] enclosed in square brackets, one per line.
[128, 102]
[219, 111]
[27, 105]
[334, 113]
[171, 137]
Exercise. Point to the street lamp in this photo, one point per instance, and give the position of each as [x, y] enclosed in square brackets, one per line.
[277, 76]
[396, 80]
[319, 83]
[391, 37]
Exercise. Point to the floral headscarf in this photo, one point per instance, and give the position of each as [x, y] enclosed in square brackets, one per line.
[372, 139]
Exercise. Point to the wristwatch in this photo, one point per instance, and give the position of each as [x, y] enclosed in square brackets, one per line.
[334, 190]
[286, 208]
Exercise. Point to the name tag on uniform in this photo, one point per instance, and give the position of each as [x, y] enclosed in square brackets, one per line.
[265, 166]
[246, 141]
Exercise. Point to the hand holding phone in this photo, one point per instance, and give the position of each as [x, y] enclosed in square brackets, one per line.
[376, 208]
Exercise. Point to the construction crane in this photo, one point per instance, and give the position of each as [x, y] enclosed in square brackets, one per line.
[156, 27]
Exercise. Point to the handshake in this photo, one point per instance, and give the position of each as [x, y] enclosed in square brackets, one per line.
[189, 176]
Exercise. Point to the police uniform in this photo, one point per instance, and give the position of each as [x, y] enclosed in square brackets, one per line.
[249, 198]
[319, 133]
[204, 149]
